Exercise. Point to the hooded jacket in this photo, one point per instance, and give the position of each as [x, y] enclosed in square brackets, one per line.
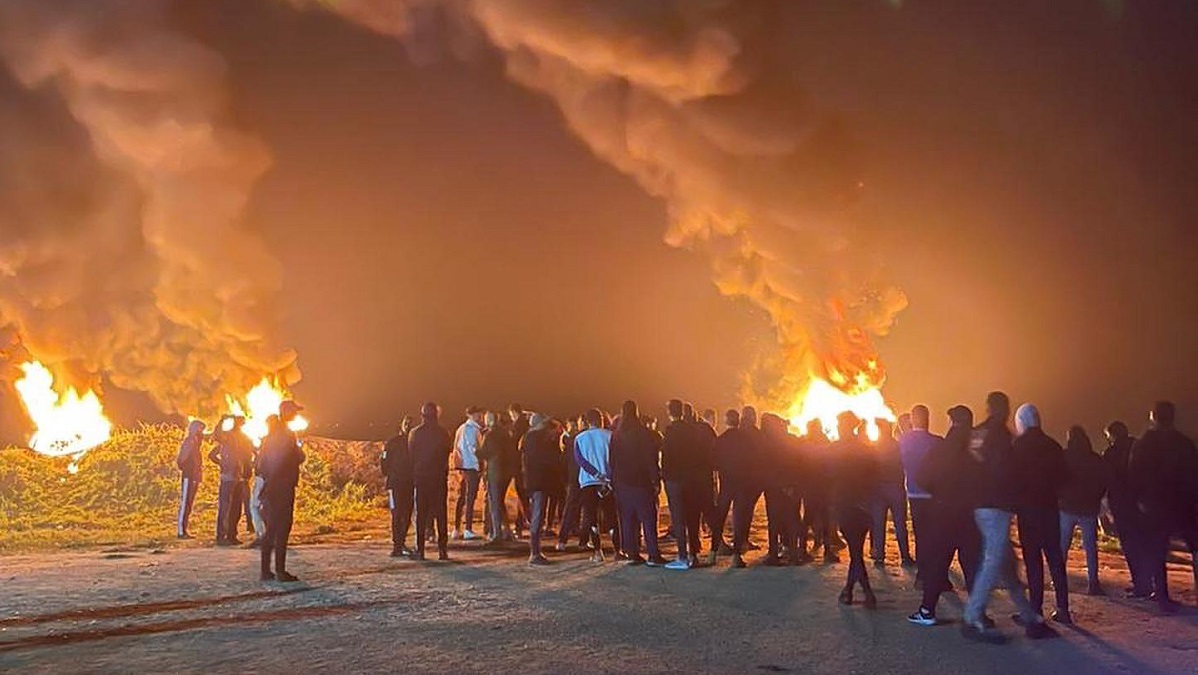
[1038, 468]
[943, 470]
[430, 445]
[279, 462]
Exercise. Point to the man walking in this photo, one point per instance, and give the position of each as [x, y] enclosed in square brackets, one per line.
[914, 447]
[430, 445]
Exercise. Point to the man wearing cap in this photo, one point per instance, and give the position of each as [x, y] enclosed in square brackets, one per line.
[465, 461]
[279, 466]
[430, 445]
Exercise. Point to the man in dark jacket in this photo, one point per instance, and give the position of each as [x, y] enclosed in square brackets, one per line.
[191, 465]
[498, 452]
[396, 463]
[704, 480]
[750, 483]
[817, 495]
[233, 454]
[781, 473]
[1121, 498]
[726, 453]
[1039, 470]
[947, 519]
[1081, 500]
[541, 450]
[635, 453]
[1163, 471]
[996, 499]
[430, 445]
[891, 498]
[279, 465]
[680, 463]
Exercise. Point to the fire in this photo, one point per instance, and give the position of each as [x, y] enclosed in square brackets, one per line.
[67, 424]
[822, 401]
[258, 404]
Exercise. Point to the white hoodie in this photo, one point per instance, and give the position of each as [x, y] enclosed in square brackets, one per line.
[465, 446]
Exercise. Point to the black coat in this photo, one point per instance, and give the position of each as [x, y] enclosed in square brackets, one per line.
[634, 456]
[1082, 493]
[1164, 475]
[1038, 469]
[680, 458]
[279, 462]
[430, 445]
[991, 476]
[541, 449]
[396, 462]
[943, 472]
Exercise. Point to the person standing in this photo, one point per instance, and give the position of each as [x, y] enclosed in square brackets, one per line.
[1163, 472]
[397, 469]
[430, 446]
[1081, 500]
[854, 486]
[498, 452]
[636, 475]
[725, 453]
[750, 483]
[279, 465]
[191, 466]
[465, 461]
[540, 450]
[891, 497]
[947, 514]
[1121, 498]
[519, 424]
[705, 477]
[573, 504]
[1039, 471]
[994, 485]
[233, 454]
[817, 499]
[781, 472]
[914, 447]
[591, 453]
[678, 469]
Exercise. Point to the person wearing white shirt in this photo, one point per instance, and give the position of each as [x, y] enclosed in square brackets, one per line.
[465, 462]
[594, 478]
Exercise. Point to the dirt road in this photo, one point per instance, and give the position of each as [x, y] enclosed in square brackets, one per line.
[202, 610]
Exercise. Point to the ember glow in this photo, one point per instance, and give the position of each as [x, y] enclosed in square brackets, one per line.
[66, 424]
[822, 401]
[257, 405]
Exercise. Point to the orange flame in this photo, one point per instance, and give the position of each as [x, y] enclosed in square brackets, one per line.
[67, 424]
[257, 405]
[824, 402]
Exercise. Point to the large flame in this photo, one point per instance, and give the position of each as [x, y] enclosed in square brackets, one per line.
[824, 402]
[66, 424]
[257, 405]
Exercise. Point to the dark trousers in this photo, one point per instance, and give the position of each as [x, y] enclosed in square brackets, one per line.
[467, 496]
[245, 507]
[279, 513]
[944, 532]
[891, 498]
[497, 503]
[571, 512]
[538, 506]
[743, 507]
[1155, 541]
[230, 498]
[705, 492]
[431, 510]
[638, 514]
[187, 499]
[854, 525]
[818, 517]
[684, 516]
[1128, 523]
[598, 515]
[919, 515]
[1040, 538]
[400, 500]
[723, 504]
[782, 512]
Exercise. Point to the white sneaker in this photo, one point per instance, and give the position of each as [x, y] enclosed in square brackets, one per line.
[469, 535]
[559, 547]
[455, 535]
[678, 565]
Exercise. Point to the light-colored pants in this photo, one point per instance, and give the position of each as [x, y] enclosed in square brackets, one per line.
[255, 510]
[1089, 527]
[997, 569]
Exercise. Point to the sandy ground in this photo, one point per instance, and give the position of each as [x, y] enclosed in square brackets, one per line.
[197, 609]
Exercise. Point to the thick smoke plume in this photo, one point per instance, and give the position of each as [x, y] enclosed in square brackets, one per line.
[123, 186]
[688, 98]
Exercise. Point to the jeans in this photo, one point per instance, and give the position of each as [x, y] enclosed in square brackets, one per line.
[946, 530]
[638, 507]
[997, 568]
[539, 501]
[497, 503]
[782, 512]
[681, 511]
[280, 514]
[229, 499]
[719, 516]
[571, 512]
[1089, 526]
[854, 524]
[1040, 539]
[890, 498]
[467, 495]
[400, 499]
[742, 516]
[255, 509]
[187, 499]
[1129, 524]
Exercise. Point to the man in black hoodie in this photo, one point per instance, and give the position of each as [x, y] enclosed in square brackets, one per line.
[430, 445]
[947, 522]
[727, 451]
[749, 483]
[279, 466]
[1164, 470]
[1081, 500]
[635, 476]
[1039, 469]
[679, 466]
[1121, 498]
[993, 483]
[396, 463]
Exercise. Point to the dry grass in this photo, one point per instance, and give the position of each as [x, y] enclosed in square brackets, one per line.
[126, 492]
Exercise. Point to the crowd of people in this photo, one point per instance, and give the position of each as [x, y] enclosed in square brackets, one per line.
[598, 476]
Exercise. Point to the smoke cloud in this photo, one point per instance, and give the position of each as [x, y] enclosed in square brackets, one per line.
[687, 97]
[120, 247]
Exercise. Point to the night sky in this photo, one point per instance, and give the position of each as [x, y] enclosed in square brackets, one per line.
[1029, 181]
